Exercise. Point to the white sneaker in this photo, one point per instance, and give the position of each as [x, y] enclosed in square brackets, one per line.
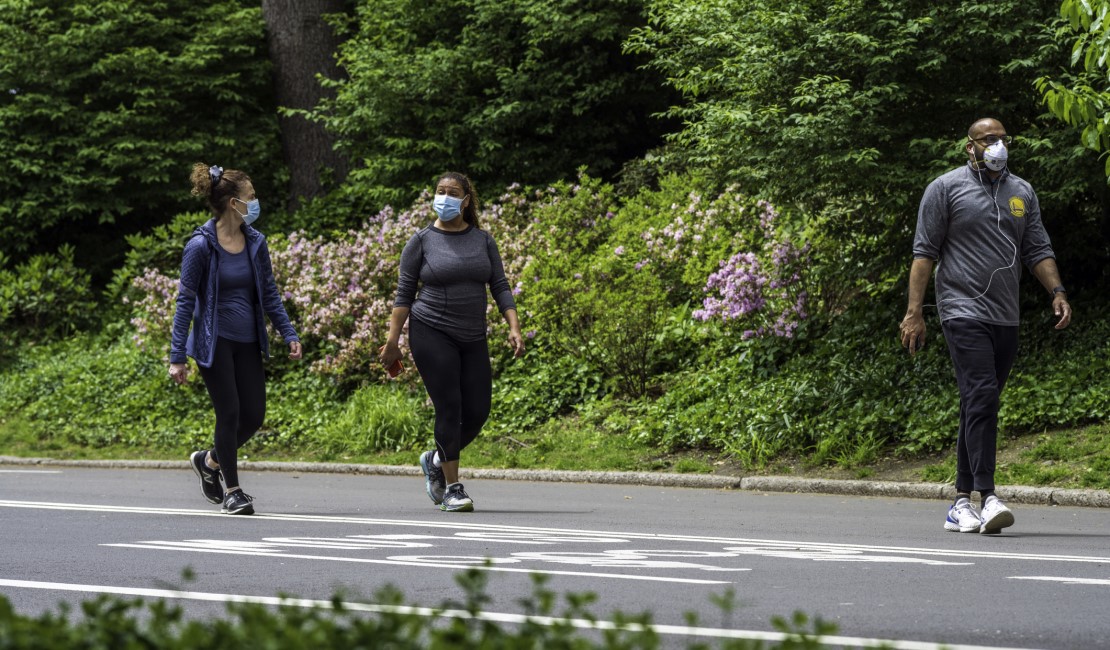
[962, 517]
[996, 516]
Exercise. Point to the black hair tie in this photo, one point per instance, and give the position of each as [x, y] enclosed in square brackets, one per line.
[215, 173]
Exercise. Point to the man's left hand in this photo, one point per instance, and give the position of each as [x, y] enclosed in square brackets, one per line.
[1062, 309]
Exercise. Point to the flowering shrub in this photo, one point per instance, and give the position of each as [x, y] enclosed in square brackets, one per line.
[152, 313]
[731, 255]
[598, 281]
[340, 292]
[766, 297]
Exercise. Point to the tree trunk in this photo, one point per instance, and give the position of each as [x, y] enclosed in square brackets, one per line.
[301, 46]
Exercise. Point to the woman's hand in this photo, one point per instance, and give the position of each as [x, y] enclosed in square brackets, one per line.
[179, 372]
[389, 354]
[516, 342]
[295, 350]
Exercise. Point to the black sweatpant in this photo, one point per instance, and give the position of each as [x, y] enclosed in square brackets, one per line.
[236, 383]
[983, 355]
[459, 380]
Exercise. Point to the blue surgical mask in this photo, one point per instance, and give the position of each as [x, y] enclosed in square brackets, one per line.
[253, 210]
[447, 207]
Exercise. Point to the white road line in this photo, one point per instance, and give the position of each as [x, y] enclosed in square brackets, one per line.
[458, 525]
[30, 471]
[175, 546]
[1067, 581]
[497, 617]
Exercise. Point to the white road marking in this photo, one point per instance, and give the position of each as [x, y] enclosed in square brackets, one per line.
[1065, 580]
[548, 534]
[30, 471]
[496, 617]
[261, 550]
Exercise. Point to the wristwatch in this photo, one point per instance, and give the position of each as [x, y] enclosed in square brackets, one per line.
[1058, 289]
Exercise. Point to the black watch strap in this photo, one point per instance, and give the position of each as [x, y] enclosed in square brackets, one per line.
[1058, 289]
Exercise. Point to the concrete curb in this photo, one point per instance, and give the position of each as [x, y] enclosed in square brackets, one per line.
[1013, 494]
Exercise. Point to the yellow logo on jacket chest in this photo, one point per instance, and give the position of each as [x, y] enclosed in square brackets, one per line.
[1017, 207]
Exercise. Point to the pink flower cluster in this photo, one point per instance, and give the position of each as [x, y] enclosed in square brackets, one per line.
[762, 290]
[340, 292]
[153, 311]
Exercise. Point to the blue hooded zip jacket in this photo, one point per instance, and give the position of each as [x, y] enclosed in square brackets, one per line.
[198, 290]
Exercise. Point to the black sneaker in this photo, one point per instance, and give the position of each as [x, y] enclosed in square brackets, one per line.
[209, 478]
[456, 499]
[238, 503]
[434, 482]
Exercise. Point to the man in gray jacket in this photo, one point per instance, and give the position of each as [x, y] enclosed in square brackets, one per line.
[979, 223]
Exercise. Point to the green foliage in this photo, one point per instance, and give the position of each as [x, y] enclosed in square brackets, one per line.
[543, 385]
[848, 109]
[43, 298]
[522, 91]
[106, 105]
[376, 418]
[93, 392]
[549, 622]
[159, 249]
[586, 298]
[1082, 99]
[852, 392]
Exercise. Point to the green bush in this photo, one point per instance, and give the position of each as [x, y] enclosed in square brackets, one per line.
[91, 391]
[159, 249]
[376, 418]
[550, 622]
[847, 394]
[98, 136]
[545, 384]
[44, 298]
[522, 91]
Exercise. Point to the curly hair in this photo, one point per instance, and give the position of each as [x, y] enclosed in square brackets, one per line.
[217, 186]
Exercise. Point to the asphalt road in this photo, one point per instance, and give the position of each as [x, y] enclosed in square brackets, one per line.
[880, 568]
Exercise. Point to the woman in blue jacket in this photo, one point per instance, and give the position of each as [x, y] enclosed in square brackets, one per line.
[226, 285]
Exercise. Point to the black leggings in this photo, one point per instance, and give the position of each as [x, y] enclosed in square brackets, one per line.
[458, 378]
[236, 383]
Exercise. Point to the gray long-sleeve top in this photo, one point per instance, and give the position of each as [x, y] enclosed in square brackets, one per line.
[978, 232]
[452, 270]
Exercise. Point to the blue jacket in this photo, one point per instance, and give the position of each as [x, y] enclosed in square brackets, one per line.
[199, 288]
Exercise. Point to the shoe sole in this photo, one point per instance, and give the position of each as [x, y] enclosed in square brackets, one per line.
[955, 528]
[466, 507]
[249, 510]
[1004, 519]
[425, 460]
[196, 470]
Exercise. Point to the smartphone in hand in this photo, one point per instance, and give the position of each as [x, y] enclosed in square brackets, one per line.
[395, 369]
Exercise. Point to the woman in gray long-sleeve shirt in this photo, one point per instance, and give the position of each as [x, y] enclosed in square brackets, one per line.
[452, 262]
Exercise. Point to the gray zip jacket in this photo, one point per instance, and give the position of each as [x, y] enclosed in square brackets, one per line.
[980, 233]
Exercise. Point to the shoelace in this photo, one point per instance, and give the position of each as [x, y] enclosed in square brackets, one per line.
[967, 509]
[246, 496]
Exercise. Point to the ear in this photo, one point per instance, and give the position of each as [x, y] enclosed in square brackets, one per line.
[465, 202]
